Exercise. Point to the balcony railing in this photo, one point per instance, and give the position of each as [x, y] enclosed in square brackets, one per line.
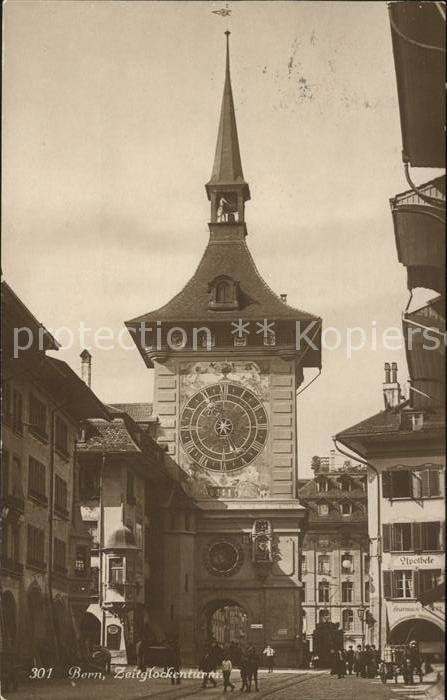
[14, 502]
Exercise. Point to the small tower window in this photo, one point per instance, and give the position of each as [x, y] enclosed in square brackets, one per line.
[223, 293]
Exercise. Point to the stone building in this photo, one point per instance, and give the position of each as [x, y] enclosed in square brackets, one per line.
[44, 586]
[227, 368]
[142, 524]
[404, 445]
[335, 552]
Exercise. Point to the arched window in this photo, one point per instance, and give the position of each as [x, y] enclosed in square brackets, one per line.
[322, 485]
[346, 508]
[348, 620]
[323, 508]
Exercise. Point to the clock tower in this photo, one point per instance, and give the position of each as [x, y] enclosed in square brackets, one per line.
[228, 356]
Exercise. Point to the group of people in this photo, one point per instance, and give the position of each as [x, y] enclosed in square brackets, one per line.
[364, 662]
[246, 659]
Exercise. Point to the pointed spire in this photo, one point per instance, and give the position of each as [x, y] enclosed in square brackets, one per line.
[227, 168]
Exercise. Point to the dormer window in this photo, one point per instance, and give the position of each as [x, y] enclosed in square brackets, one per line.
[223, 293]
[345, 483]
[346, 508]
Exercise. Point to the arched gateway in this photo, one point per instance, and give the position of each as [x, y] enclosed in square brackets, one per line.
[428, 634]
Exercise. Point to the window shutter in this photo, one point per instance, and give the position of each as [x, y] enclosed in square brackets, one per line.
[416, 583]
[387, 584]
[442, 536]
[433, 487]
[416, 486]
[386, 534]
[425, 477]
[386, 485]
[417, 537]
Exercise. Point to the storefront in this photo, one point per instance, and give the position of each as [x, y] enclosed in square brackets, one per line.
[408, 620]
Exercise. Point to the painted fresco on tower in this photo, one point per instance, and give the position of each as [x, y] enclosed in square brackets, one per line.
[224, 427]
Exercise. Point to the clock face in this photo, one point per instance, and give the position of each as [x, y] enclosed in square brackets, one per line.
[223, 426]
[223, 558]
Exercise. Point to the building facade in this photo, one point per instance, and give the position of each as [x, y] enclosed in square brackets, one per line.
[335, 554]
[44, 589]
[142, 562]
[227, 369]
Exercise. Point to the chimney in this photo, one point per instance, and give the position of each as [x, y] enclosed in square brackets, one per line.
[86, 367]
[391, 388]
[283, 298]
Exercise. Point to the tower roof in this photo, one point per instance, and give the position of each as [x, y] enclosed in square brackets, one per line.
[227, 168]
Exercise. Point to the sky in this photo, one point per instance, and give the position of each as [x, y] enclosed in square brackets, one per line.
[110, 116]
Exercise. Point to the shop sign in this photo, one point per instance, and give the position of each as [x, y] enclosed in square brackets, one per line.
[417, 561]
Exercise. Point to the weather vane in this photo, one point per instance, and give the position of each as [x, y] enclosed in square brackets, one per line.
[223, 12]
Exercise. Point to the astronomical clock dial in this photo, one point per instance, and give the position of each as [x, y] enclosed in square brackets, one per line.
[223, 427]
[223, 558]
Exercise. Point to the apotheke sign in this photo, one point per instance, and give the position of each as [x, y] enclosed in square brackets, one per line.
[417, 561]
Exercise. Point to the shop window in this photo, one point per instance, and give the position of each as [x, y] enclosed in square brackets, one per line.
[347, 592]
[348, 620]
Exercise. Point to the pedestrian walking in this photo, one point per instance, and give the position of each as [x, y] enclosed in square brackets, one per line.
[227, 667]
[141, 654]
[174, 661]
[350, 660]
[208, 667]
[243, 667]
[252, 667]
[340, 663]
[269, 653]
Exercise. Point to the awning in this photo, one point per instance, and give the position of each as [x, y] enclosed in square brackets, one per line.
[418, 36]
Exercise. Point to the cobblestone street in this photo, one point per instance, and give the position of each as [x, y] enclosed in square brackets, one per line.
[281, 685]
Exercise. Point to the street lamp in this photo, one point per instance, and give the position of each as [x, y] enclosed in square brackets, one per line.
[361, 613]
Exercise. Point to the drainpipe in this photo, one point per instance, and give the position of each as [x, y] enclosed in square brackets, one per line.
[378, 537]
[50, 537]
[101, 553]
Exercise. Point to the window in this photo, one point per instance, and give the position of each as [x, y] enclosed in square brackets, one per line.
[17, 412]
[130, 489]
[5, 473]
[6, 404]
[322, 485]
[348, 620]
[345, 483]
[89, 483]
[346, 508]
[323, 592]
[347, 563]
[347, 592]
[324, 615]
[401, 483]
[222, 293]
[16, 478]
[429, 579]
[431, 536]
[61, 436]
[93, 532]
[403, 584]
[303, 593]
[270, 338]
[303, 564]
[37, 416]
[402, 537]
[366, 563]
[431, 483]
[60, 496]
[116, 571]
[412, 537]
[323, 508]
[35, 553]
[81, 561]
[59, 556]
[324, 564]
[366, 591]
[37, 479]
